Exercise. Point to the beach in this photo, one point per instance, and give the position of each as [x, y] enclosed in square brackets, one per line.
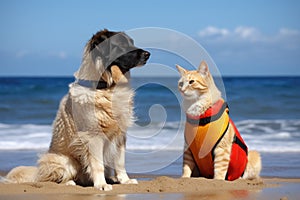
[161, 187]
[279, 181]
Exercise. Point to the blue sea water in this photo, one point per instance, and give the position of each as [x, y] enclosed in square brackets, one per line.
[265, 110]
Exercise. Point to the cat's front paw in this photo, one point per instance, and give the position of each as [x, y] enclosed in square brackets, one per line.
[186, 171]
[219, 177]
[185, 176]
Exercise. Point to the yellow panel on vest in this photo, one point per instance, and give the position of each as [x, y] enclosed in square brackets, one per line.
[202, 139]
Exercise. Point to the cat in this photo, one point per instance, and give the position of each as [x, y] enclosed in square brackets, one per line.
[213, 145]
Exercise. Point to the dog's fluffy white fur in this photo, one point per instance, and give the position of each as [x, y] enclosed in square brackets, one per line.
[89, 132]
[89, 135]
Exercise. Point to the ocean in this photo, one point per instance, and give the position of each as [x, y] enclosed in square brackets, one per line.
[265, 110]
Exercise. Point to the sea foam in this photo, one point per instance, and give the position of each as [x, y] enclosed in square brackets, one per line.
[260, 135]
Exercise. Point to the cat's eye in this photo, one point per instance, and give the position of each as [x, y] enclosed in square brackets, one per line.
[191, 81]
[180, 84]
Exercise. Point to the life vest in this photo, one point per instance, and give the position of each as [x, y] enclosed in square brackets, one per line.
[203, 133]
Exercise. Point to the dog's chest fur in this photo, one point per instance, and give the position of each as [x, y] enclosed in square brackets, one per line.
[114, 110]
[85, 112]
[106, 111]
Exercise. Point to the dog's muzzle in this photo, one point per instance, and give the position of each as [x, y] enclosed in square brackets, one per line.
[145, 55]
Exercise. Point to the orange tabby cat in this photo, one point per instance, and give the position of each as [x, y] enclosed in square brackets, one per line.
[213, 145]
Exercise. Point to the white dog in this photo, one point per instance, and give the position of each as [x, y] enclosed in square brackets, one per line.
[89, 132]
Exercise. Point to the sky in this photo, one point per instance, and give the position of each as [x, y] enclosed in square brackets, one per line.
[244, 38]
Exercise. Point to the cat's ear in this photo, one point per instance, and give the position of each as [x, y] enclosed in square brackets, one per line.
[181, 70]
[203, 68]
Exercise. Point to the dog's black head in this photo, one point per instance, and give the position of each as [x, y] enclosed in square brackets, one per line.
[116, 48]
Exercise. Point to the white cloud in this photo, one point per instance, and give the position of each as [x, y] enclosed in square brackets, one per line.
[246, 33]
[243, 46]
[239, 33]
[289, 32]
[213, 31]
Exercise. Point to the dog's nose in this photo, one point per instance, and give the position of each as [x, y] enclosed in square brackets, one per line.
[146, 54]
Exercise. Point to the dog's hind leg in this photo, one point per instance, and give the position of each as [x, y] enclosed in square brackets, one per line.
[56, 168]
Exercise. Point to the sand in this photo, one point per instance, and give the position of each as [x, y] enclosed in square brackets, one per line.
[161, 187]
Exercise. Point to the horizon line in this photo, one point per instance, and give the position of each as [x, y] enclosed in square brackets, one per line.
[153, 76]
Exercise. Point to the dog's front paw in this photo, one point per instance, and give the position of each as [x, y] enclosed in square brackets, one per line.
[104, 187]
[131, 181]
[124, 179]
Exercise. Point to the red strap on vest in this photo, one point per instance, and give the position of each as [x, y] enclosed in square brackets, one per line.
[209, 112]
[212, 114]
[238, 157]
[213, 110]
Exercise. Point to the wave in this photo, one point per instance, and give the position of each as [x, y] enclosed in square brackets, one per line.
[261, 135]
[24, 136]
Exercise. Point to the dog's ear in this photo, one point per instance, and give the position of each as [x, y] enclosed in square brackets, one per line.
[99, 46]
[99, 52]
[203, 68]
[181, 70]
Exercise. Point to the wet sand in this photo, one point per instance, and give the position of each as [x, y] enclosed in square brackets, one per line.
[161, 187]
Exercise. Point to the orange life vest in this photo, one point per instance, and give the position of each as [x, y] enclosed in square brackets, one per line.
[203, 133]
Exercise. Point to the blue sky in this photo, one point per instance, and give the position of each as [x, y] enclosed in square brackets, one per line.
[46, 38]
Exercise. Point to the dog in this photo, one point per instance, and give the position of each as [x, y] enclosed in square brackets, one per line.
[89, 131]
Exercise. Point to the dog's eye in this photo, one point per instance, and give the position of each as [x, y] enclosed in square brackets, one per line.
[180, 84]
[191, 81]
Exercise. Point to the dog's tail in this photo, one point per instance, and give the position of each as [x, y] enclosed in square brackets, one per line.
[3, 179]
[21, 174]
[56, 168]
